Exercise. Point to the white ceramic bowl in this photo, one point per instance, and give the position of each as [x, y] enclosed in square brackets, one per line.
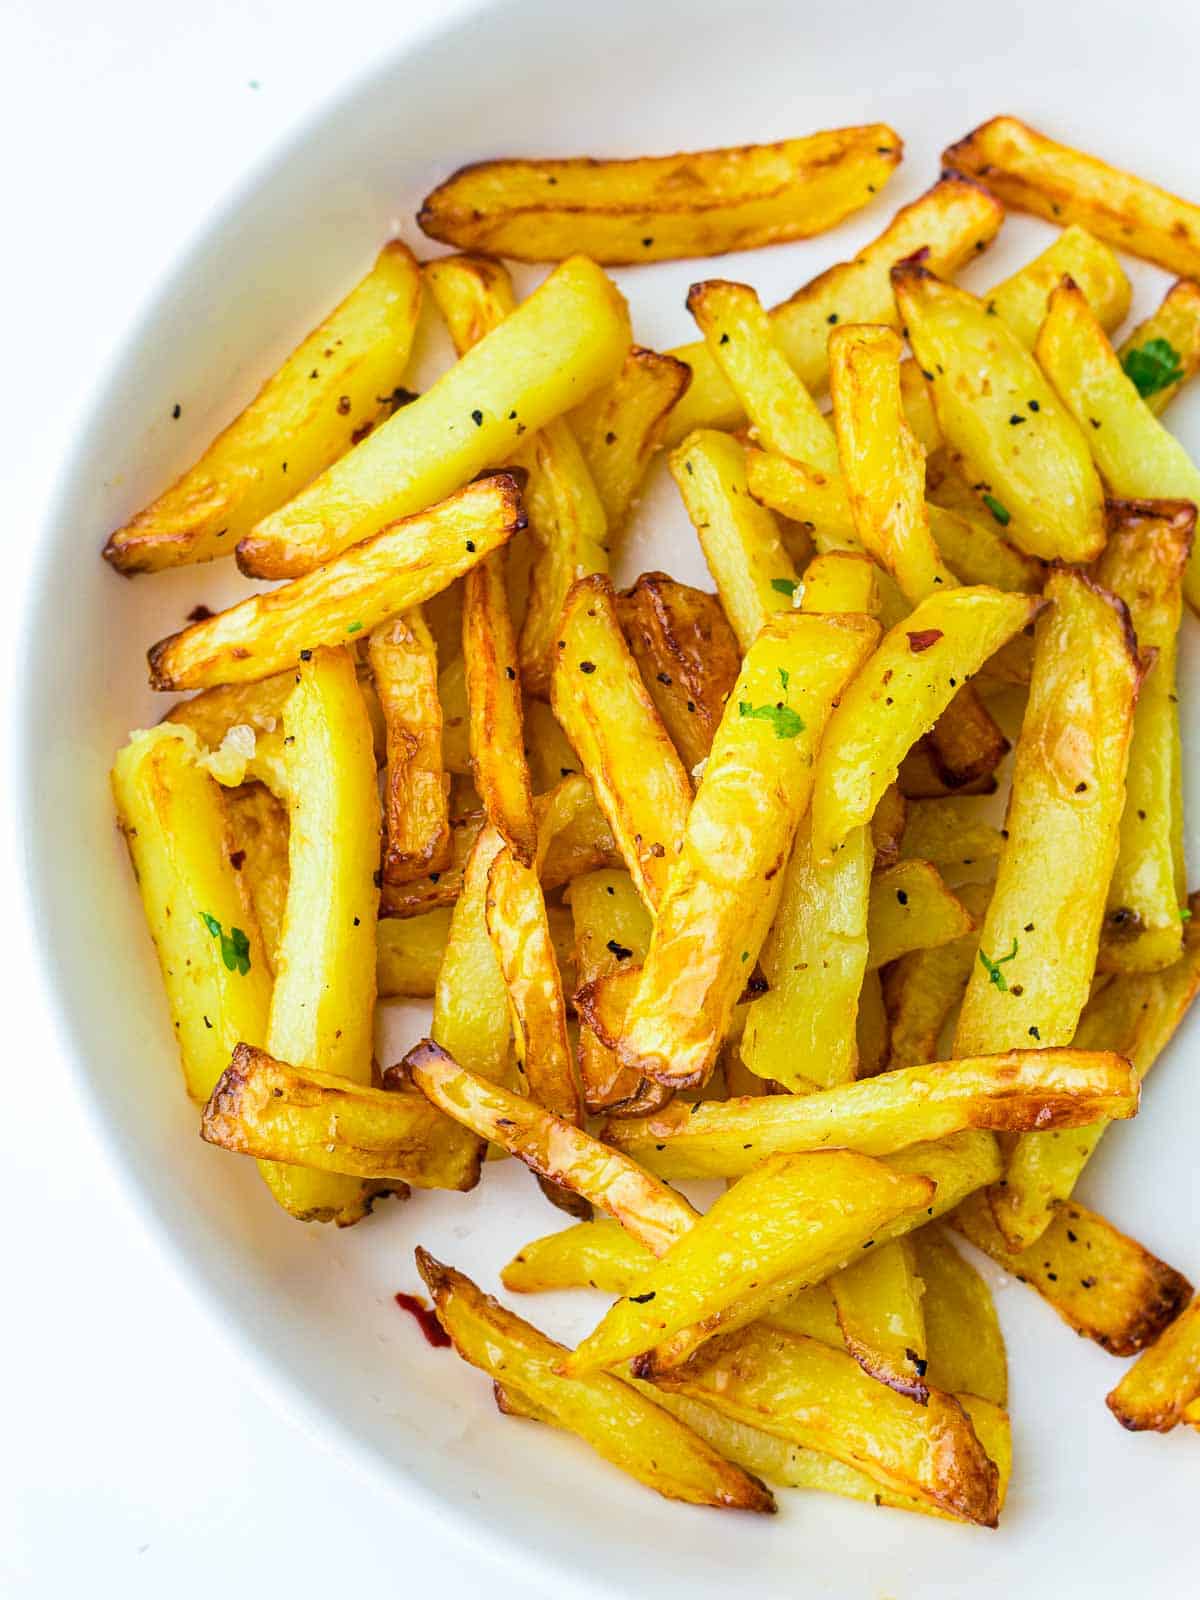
[1091, 1509]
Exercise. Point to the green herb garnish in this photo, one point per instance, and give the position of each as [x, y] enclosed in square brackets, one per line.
[1153, 366]
[235, 947]
[992, 968]
[1185, 914]
[355, 627]
[1001, 512]
[786, 722]
[784, 586]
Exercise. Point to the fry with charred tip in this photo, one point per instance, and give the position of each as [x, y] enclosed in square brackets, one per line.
[1164, 1380]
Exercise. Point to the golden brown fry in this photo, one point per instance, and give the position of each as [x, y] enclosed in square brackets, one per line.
[621, 426]
[653, 1213]
[614, 1418]
[720, 902]
[1031, 172]
[494, 697]
[1034, 474]
[440, 888]
[922, 989]
[1038, 946]
[879, 1116]
[1103, 1284]
[963, 1339]
[953, 221]
[871, 1030]
[662, 208]
[473, 294]
[612, 933]
[1163, 372]
[569, 337]
[1164, 1380]
[911, 908]
[687, 654]
[951, 832]
[969, 539]
[878, 1301]
[416, 812]
[921, 778]
[396, 569]
[258, 824]
[1020, 301]
[262, 1107]
[213, 714]
[333, 388]
[410, 952]
[588, 1255]
[841, 580]
[887, 827]
[606, 712]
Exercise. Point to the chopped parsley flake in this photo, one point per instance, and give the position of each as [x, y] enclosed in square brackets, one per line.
[235, 947]
[992, 968]
[355, 627]
[1001, 512]
[1153, 366]
[784, 586]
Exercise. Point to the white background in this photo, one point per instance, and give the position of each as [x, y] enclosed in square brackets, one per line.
[135, 1456]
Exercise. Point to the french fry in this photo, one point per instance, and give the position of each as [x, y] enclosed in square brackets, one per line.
[802, 1391]
[1033, 472]
[871, 1031]
[621, 426]
[334, 387]
[950, 832]
[392, 572]
[878, 1301]
[754, 575]
[322, 1123]
[556, 1150]
[1103, 1284]
[1143, 564]
[794, 1218]
[456, 715]
[1164, 1380]
[882, 1115]
[409, 953]
[965, 1346]
[662, 208]
[612, 932]
[494, 698]
[620, 1423]
[920, 665]
[922, 778]
[887, 827]
[213, 714]
[841, 580]
[1020, 301]
[922, 988]
[782, 412]
[322, 1006]
[471, 1017]
[588, 1255]
[1137, 457]
[606, 711]
[910, 908]
[1136, 1013]
[416, 812]
[1031, 172]
[258, 823]
[953, 221]
[547, 748]
[1163, 352]
[1038, 946]
[214, 969]
[687, 655]
[569, 337]
[440, 889]
[474, 295]
[719, 904]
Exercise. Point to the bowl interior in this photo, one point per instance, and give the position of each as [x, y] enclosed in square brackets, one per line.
[313, 1305]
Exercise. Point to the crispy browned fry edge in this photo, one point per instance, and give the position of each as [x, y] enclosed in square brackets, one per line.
[621, 426]
[1165, 1379]
[1079, 1253]
[494, 701]
[416, 821]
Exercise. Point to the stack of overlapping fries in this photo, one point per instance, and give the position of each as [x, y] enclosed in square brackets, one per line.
[710, 886]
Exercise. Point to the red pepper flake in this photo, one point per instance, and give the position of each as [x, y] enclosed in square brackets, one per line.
[923, 638]
[426, 1320]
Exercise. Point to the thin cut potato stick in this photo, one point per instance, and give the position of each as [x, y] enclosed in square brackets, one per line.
[1164, 1380]
[403, 659]
[725, 881]
[334, 388]
[1031, 172]
[569, 337]
[621, 426]
[397, 569]
[494, 699]
[1163, 352]
[662, 208]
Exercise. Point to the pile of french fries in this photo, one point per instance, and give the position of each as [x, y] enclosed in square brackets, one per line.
[710, 886]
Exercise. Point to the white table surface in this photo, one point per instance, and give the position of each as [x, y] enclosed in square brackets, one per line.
[136, 1458]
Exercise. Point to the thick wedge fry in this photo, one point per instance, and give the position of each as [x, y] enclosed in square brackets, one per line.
[1038, 946]
[878, 1301]
[662, 208]
[1019, 449]
[214, 968]
[614, 1418]
[333, 388]
[1163, 352]
[569, 337]
[653, 1213]
[793, 1218]
[416, 813]
[724, 884]
[953, 221]
[621, 426]
[612, 933]
[607, 713]
[494, 697]
[754, 575]
[1164, 1380]
[1136, 1013]
[1137, 457]
[919, 666]
[810, 1395]
[322, 1007]
[782, 412]
[687, 654]
[881, 1115]
[398, 568]
[1031, 172]
[1103, 1284]
[963, 1339]
[262, 1107]
[922, 989]
[911, 908]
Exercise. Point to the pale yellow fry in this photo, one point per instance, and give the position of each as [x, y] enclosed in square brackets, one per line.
[621, 426]
[911, 908]
[879, 1310]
